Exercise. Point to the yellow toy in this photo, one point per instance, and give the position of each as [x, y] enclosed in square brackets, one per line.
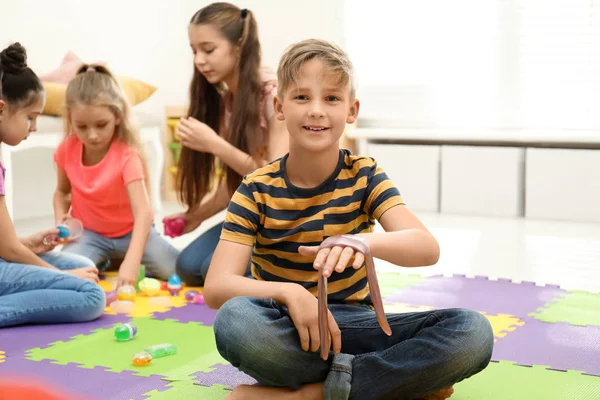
[150, 286]
[126, 292]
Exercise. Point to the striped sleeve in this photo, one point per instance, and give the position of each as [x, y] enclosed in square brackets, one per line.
[381, 193]
[242, 218]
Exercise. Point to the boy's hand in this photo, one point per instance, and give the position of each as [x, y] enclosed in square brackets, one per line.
[337, 258]
[128, 274]
[302, 307]
[88, 273]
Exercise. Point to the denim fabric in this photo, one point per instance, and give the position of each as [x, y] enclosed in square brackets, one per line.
[30, 294]
[426, 352]
[159, 256]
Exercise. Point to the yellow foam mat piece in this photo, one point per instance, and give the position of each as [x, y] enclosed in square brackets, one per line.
[502, 324]
[143, 306]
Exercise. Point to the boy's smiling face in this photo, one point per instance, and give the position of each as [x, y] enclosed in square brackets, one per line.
[316, 108]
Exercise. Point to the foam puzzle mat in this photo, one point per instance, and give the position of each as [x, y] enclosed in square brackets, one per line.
[547, 344]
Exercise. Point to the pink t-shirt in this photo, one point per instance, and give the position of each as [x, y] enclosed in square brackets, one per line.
[2, 175]
[99, 195]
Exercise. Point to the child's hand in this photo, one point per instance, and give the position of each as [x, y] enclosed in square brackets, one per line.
[128, 274]
[196, 135]
[88, 273]
[42, 242]
[190, 219]
[337, 258]
[302, 307]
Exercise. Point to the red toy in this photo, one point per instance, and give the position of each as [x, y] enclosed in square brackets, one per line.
[174, 226]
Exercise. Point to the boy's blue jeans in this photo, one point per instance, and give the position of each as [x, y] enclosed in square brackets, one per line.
[30, 294]
[426, 352]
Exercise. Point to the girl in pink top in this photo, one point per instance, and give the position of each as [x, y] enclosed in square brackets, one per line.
[230, 130]
[102, 180]
[37, 285]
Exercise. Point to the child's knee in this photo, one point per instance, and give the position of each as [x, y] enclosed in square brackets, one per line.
[257, 338]
[477, 340]
[244, 331]
[483, 337]
[233, 322]
[95, 299]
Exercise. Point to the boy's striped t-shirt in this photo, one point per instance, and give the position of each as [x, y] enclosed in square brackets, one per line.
[276, 217]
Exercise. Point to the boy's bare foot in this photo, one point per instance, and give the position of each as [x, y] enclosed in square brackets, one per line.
[313, 391]
[440, 394]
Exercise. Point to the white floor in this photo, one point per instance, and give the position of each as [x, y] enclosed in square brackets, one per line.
[544, 252]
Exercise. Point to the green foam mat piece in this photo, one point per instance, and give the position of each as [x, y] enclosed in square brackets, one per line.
[575, 308]
[392, 282]
[503, 381]
[187, 390]
[196, 349]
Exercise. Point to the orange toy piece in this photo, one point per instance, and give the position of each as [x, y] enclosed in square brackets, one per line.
[141, 359]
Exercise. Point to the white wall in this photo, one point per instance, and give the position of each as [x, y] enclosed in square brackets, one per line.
[142, 39]
[148, 39]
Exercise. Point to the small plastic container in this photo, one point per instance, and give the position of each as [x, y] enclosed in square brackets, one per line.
[174, 285]
[69, 231]
[190, 294]
[141, 276]
[125, 332]
[161, 350]
[199, 299]
[150, 286]
[141, 359]
[122, 306]
[126, 292]
[161, 301]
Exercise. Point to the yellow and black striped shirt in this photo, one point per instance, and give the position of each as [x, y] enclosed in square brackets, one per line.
[276, 217]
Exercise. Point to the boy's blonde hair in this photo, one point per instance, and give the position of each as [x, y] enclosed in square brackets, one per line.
[95, 85]
[337, 63]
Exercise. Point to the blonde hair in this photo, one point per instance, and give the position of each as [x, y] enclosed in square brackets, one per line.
[95, 85]
[337, 63]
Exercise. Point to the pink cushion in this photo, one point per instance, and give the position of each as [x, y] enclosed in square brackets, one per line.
[67, 69]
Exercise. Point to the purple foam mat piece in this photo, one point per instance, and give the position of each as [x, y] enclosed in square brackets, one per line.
[93, 383]
[559, 346]
[480, 294]
[227, 375]
[15, 340]
[189, 313]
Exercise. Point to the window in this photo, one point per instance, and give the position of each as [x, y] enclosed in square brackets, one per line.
[477, 63]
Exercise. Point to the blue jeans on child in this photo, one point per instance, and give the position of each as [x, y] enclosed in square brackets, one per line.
[30, 294]
[426, 352]
[194, 260]
[159, 255]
